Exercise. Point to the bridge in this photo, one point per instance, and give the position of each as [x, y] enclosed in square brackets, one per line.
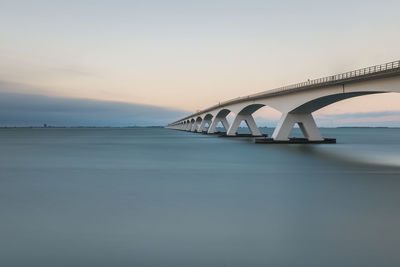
[296, 102]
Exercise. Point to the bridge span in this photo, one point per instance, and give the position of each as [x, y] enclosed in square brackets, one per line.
[296, 102]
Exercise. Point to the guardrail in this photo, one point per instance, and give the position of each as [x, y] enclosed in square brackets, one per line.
[394, 65]
[338, 77]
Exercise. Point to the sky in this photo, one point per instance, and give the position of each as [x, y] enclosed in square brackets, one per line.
[183, 56]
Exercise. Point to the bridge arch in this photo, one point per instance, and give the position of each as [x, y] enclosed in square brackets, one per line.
[220, 116]
[196, 123]
[302, 113]
[206, 120]
[250, 109]
[222, 113]
[245, 113]
[321, 102]
[208, 117]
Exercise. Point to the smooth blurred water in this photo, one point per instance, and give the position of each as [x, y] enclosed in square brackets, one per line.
[159, 197]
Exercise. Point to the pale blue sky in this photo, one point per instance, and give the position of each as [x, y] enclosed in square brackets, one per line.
[191, 54]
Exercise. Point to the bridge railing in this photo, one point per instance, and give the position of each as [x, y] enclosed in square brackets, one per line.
[336, 78]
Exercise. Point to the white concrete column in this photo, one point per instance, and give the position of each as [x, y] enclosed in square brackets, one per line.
[214, 123]
[203, 125]
[235, 125]
[249, 121]
[189, 126]
[225, 123]
[194, 126]
[252, 126]
[198, 125]
[304, 120]
[207, 122]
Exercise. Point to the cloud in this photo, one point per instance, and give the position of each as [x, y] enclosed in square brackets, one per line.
[373, 119]
[378, 114]
[24, 109]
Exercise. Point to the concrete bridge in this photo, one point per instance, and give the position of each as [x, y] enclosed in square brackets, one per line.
[296, 102]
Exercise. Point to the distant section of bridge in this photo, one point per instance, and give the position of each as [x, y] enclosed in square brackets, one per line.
[296, 102]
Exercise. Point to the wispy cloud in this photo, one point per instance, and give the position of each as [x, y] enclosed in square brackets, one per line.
[373, 119]
[359, 115]
[24, 109]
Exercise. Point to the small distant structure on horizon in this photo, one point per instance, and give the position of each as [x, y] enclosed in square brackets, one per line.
[44, 125]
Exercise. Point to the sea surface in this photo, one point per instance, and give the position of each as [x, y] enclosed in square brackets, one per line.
[158, 197]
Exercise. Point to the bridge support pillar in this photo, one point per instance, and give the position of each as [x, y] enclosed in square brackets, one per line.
[203, 125]
[214, 123]
[194, 126]
[249, 121]
[189, 127]
[304, 120]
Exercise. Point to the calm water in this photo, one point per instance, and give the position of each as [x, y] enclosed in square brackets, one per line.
[158, 197]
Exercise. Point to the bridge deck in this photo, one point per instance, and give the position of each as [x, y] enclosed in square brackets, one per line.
[373, 72]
